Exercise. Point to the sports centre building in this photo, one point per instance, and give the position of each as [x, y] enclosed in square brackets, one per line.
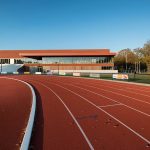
[57, 61]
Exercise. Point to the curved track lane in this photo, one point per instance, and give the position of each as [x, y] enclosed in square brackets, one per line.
[109, 120]
[15, 107]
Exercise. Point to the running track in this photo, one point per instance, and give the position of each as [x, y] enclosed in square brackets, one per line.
[76, 113]
[15, 105]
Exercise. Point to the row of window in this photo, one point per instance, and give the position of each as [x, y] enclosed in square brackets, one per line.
[61, 60]
[76, 60]
[4, 61]
[107, 68]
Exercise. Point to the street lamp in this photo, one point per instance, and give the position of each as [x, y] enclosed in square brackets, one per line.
[126, 61]
[138, 67]
[57, 66]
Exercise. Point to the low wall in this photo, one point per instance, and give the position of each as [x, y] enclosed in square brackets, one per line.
[85, 71]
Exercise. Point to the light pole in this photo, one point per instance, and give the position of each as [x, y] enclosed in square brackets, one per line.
[126, 62]
[139, 67]
[135, 67]
[57, 66]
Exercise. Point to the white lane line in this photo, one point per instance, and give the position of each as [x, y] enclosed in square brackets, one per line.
[133, 131]
[110, 105]
[116, 93]
[28, 131]
[130, 83]
[121, 90]
[91, 85]
[148, 115]
[115, 81]
[78, 125]
[105, 80]
[138, 90]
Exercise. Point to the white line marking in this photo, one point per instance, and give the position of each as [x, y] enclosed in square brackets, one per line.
[133, 131]
[78, 125]
[114, 88]
[116, 81]
[110, 105]
[121, 90]
[117, 94]
[139, 90]
[140, 84]
[27, 136]
[148, 115]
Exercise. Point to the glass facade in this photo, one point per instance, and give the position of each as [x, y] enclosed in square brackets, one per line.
[27, 61]
[61, 60]
[76, 60]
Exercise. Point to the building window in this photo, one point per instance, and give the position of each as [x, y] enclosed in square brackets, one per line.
[76, 60]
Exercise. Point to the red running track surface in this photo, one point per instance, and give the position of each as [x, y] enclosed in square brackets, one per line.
[15, 105]
[76, 113]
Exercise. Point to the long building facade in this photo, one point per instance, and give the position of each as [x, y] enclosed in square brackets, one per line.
[87, 60]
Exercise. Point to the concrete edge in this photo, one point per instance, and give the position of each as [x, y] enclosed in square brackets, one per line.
[28, 132]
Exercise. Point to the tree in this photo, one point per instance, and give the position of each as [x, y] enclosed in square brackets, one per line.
[146, 49]
[145, 52]
[124, 60]
[128, 59]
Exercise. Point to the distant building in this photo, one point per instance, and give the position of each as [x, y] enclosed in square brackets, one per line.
[76, 60]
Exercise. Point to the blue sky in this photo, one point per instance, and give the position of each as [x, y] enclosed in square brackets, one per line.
[74, 24]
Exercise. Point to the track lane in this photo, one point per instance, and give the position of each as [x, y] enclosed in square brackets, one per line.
[47, 81]
[69, 88]
[126, 101]
[127, 128]
[125, 86]
[123, 115]
[106, 85]
[60, 130]
[139, 104]
[15, 107]
[123, 92]
[144, 127]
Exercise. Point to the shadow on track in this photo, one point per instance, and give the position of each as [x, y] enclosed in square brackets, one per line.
[36, 142]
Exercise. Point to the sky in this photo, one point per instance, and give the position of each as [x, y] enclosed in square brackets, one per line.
[74, 24]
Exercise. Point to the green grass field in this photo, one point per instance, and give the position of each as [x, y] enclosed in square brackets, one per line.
[139, 78]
